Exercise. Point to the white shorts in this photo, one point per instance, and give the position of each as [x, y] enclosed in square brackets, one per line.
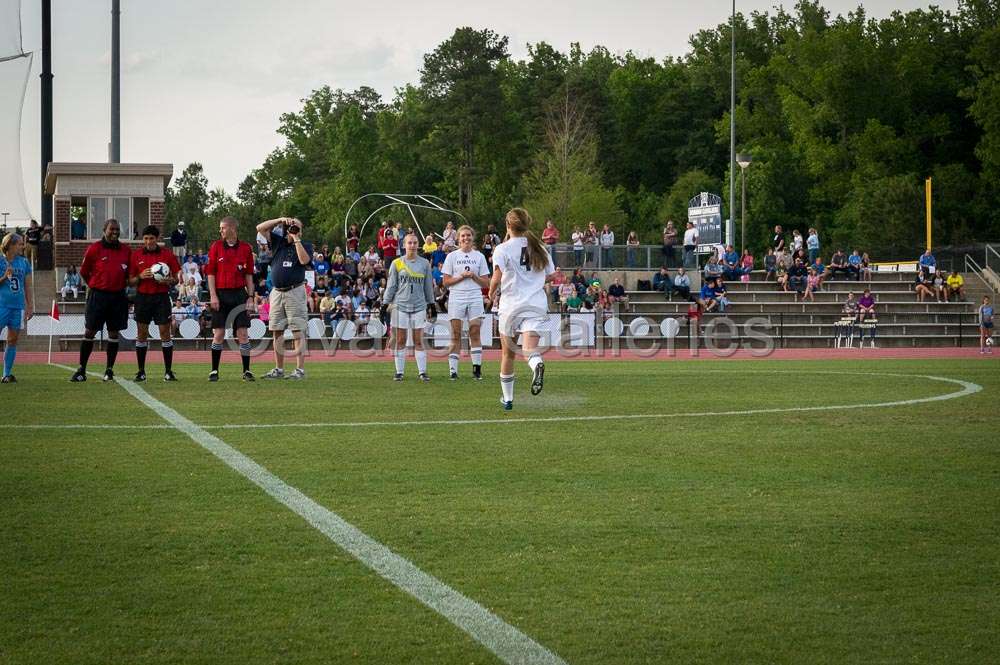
[466, 311]
[521, 322]
[409, 321]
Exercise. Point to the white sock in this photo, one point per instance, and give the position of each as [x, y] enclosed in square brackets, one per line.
[533, 360]
[477, 355]
[507, 386]
[421, 361]
[453, 363]
[400, 358]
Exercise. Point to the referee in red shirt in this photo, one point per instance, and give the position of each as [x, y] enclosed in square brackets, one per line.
[231, 288]
[105, 270]
[152, 302]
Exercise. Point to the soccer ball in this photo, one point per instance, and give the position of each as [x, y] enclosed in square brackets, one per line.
[161, 272]
[989, 341]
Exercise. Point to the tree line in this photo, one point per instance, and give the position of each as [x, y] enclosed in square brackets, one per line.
[844, 116]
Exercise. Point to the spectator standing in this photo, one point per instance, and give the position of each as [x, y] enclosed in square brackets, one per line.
[607, 247]
[578, 237]
[178, 240]
[32, 238]
[550, 236]
[78, 229]
[353, 239]
[812, 244]
[449, 238]
[797, 242]
[631, 248]
[778, 244]
[690, 245]
[927, 261]
[669, 242]
[591, 238]
[490, 241]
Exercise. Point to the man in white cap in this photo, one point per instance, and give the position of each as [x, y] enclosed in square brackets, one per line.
[178, 240]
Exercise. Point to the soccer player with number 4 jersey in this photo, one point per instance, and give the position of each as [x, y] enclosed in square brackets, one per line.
[465, 274]
[15, 297]
[521, 269]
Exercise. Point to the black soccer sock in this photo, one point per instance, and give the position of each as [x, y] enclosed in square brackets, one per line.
[86, 347]
[168, 355]
[216, 356]
[245, 356]
[140, 355]
[112, 353]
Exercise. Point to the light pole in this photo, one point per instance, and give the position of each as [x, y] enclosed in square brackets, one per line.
[732, 125]
[5, 215]
[743, 160]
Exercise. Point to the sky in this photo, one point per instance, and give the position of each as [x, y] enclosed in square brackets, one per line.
[207, 81]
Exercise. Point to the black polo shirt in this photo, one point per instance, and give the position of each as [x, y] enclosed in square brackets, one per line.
[286, 270]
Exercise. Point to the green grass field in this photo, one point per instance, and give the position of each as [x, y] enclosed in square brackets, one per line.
[835, 535]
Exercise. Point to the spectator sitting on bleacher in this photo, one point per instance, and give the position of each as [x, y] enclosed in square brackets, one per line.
[178, 314]
[573, 303]
[188, 291]
[866, 306]
[558, 279]
[706, 298]
[731, 263]
[193, 310]
[566, 291]
[851, 306]
[71, 283]
[854, 265]
[770, 265]
[662, 281]
[928, 262]
[797, 279]
[746, 265]
[189, 264]
[320, 265]
[371, 256]
[956, 286]
[940, 287]
[193, 274]
[713, 269]
[820, 269]
[362, 314]
[923, 285]
[326, 307]
[721, 295]
[866, 267]
[616, 293]
[579, 281]
[781, 277]
[682, 284]
[430, 246]
[812, 286]
[838, 264]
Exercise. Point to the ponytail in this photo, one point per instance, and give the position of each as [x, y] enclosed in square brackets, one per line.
[520, 221]
[8, 240]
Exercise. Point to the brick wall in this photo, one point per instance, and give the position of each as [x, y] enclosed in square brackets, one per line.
[70, 252]
[60, 221]
[157, 213]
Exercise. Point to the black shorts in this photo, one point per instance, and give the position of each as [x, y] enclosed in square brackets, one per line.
[230, 299]
[108, 308]
[152, 308]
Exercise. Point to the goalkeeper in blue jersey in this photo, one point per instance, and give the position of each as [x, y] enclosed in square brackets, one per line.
[15, 297]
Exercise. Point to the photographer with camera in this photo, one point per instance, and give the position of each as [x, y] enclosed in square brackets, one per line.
[290, 258]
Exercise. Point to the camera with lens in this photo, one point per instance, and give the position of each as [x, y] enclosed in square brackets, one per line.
[291, 228]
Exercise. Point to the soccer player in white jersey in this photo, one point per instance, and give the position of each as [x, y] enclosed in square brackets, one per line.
[465, 274]
[521, 269]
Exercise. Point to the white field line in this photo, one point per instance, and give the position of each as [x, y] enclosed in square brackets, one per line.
[508, 643]
[968, 388]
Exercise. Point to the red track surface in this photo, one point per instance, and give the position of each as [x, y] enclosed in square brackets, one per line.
[97, 360]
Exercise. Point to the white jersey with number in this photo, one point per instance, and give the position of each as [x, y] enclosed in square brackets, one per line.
[521, 287]
[456, 263]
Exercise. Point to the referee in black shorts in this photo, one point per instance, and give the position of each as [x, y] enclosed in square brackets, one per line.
[105, 270]
[231, 289]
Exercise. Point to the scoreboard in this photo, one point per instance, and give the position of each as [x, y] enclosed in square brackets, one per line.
[705, 212]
